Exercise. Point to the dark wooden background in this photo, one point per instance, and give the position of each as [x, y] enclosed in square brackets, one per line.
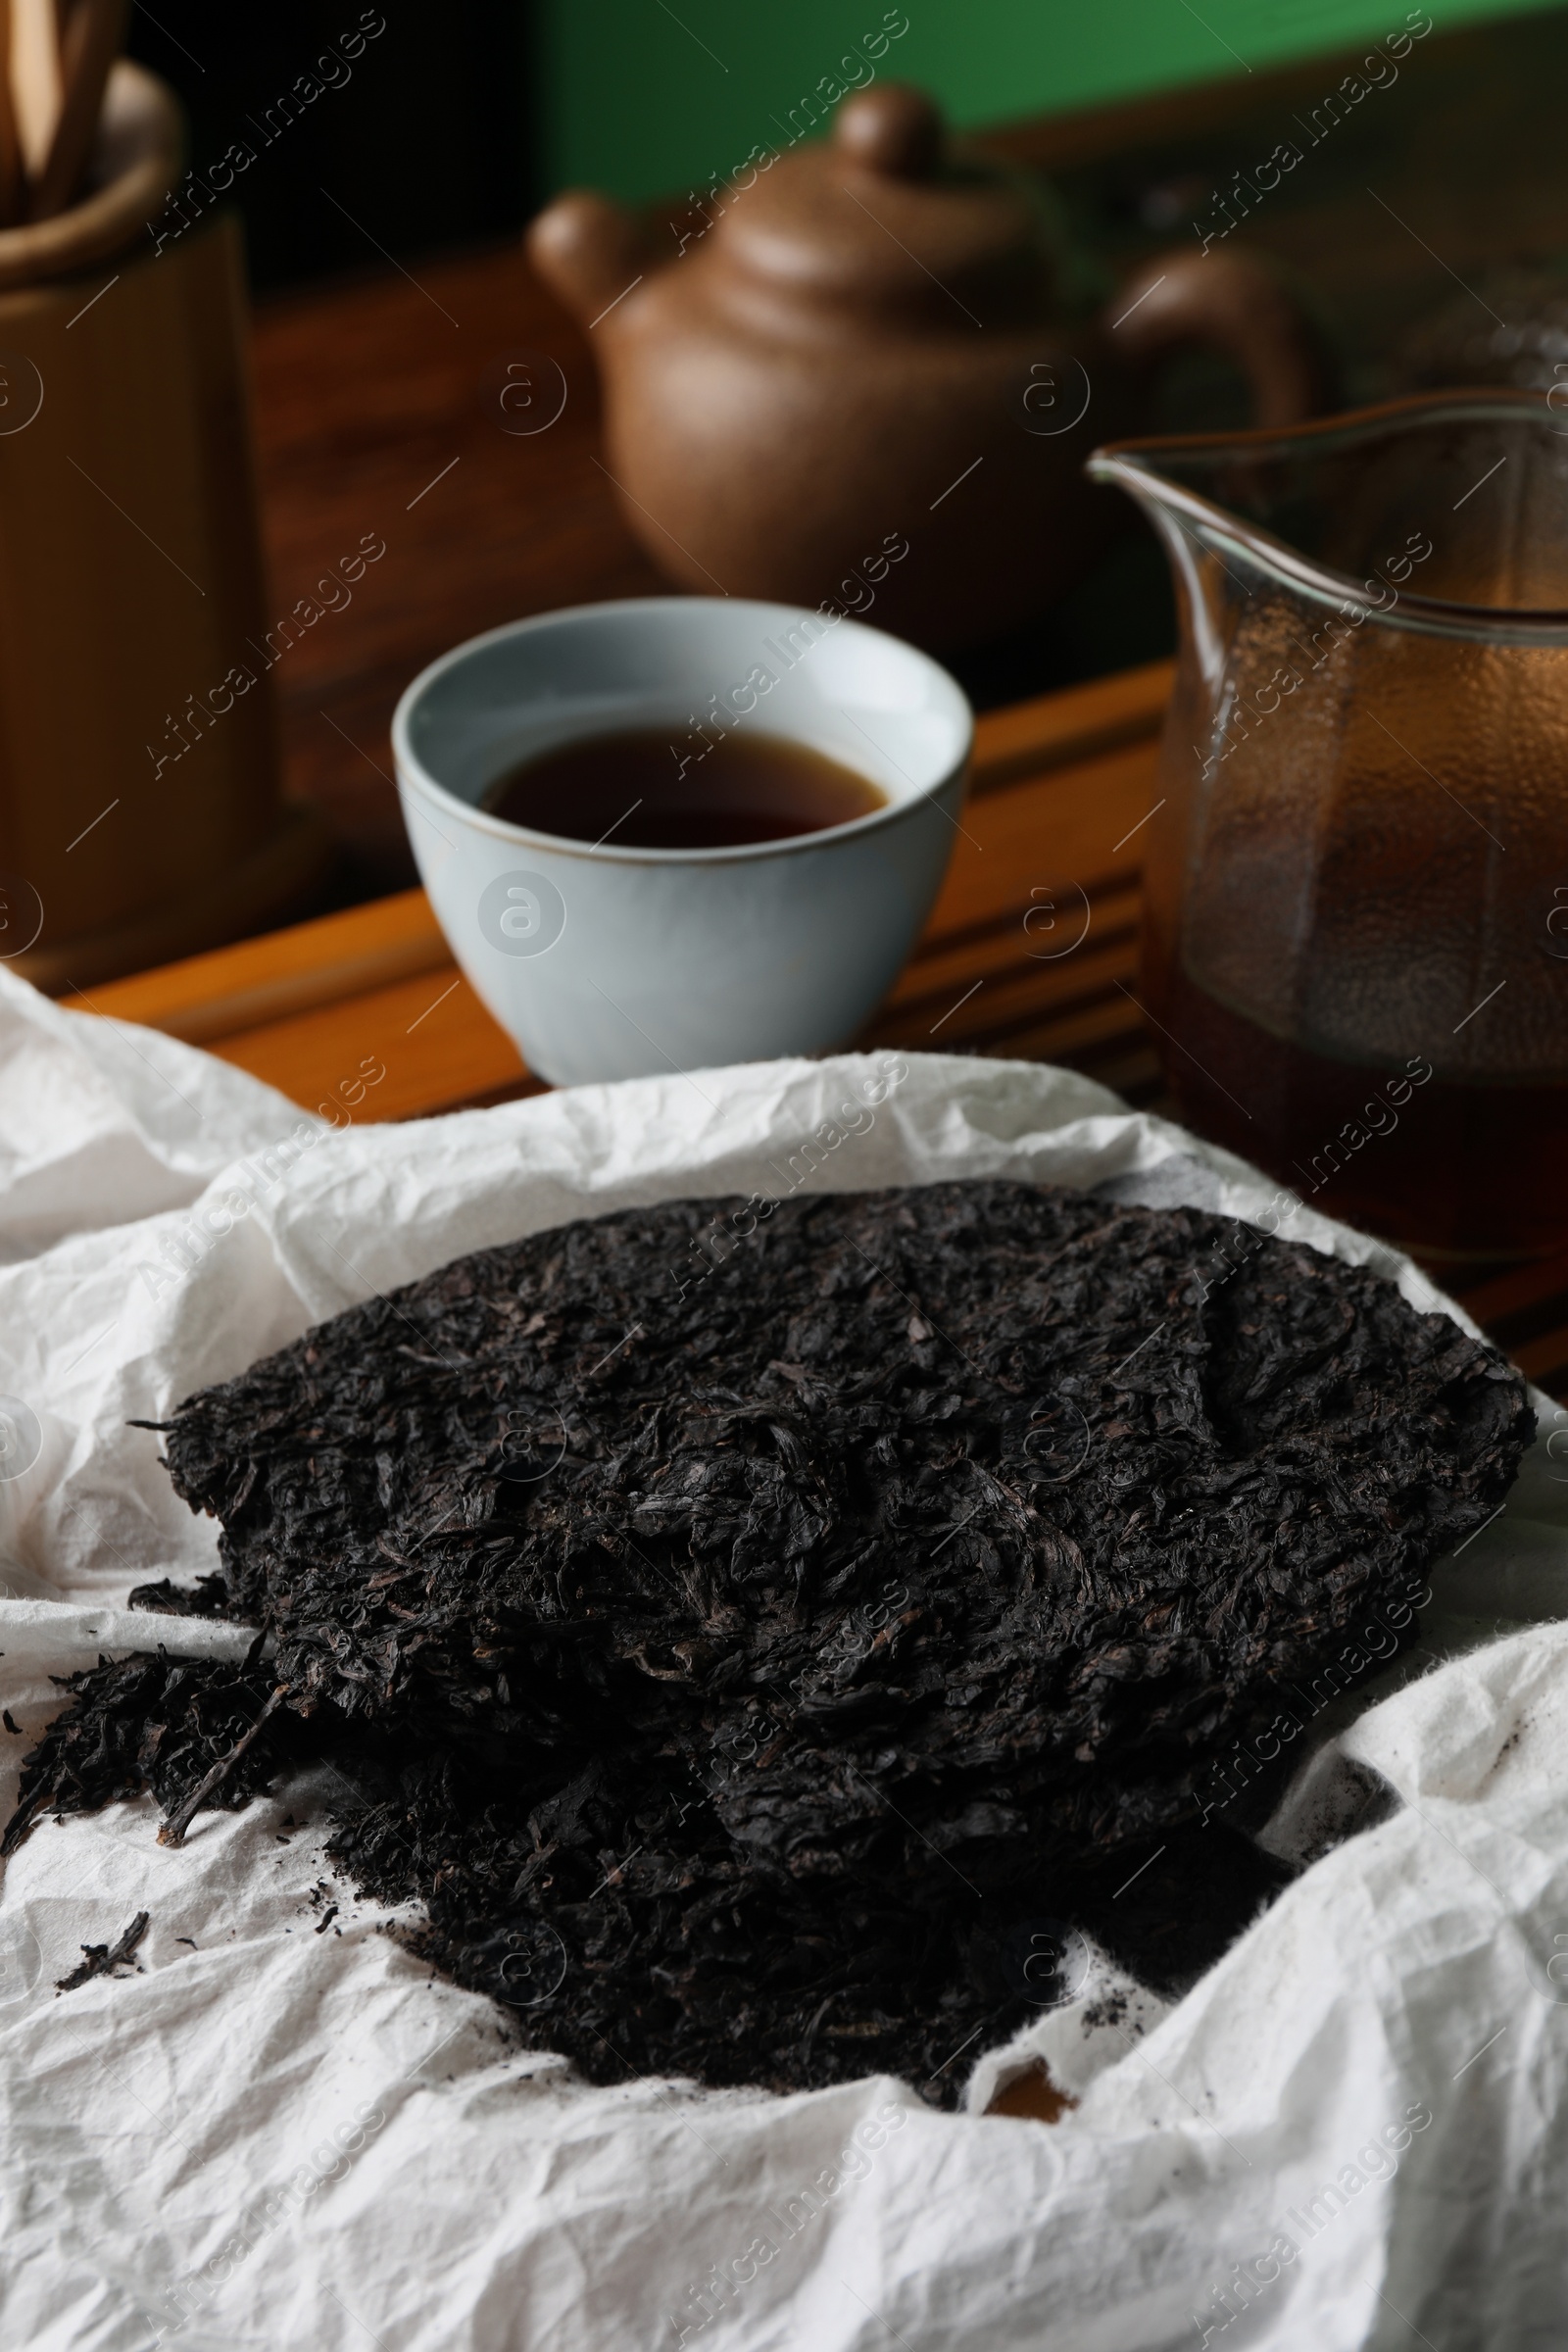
[428, 142]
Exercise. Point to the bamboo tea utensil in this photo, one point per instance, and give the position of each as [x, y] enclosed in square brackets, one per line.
[93, 36]
[11, 182]
[35, 82]
[139, 788]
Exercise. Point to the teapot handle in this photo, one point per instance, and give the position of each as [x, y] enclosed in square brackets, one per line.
[1235, 304]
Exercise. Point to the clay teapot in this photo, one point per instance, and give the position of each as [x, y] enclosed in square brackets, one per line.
[874, 378]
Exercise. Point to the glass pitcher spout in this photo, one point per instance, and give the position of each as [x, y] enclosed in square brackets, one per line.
[1357, 889]
[1358, 511]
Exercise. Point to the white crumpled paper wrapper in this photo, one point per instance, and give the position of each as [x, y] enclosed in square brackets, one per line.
[1350, 2133]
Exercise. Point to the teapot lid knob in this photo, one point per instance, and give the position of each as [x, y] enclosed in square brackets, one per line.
[892, 129]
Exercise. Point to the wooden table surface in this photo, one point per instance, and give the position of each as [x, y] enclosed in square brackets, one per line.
[1031, 951]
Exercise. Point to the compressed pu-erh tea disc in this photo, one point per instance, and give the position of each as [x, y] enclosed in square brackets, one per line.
[739, 1645]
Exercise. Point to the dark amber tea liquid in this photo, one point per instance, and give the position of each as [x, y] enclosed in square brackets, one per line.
[640, 790]
[1456, 1170]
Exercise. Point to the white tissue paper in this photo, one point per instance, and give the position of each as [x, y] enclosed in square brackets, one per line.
[1352, 2132]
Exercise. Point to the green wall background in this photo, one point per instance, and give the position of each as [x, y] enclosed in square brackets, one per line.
[645, 99]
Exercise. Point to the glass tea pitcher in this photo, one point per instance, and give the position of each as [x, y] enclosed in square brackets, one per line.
[1355, 941]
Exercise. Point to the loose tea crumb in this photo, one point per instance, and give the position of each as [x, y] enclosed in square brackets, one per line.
[738, 1632]
[151, 1722]
[102, 1959]
[208, 1597]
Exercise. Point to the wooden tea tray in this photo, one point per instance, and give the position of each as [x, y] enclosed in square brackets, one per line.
[1051, 839]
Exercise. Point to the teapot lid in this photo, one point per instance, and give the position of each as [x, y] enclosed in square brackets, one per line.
[880, 214]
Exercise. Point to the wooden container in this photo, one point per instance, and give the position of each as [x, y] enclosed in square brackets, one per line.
[140, 811]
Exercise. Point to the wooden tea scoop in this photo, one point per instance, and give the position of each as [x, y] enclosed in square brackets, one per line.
[93, 37]
[11, 173]
[36, 86]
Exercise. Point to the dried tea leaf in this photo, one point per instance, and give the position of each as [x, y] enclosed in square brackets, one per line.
[104, 1959]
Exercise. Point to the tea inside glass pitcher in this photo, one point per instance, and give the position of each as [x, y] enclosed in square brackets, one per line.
[1355, 946]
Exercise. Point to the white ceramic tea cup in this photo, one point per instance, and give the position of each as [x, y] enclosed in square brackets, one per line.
[609, 961]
